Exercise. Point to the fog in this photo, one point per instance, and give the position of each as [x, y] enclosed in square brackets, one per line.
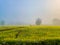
[25, 11]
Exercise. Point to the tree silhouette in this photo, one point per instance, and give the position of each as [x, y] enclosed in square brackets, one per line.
[38, 21]
[2, 22]
[56, 21]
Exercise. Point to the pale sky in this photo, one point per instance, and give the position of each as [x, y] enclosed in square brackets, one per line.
[27, 11]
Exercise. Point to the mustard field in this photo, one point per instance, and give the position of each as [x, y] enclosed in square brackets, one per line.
[29, 33]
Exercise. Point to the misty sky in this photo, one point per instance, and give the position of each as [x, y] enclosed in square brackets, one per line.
[27, 11]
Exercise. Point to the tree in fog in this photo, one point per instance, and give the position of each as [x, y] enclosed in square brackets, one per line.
[56, 21]
[38, 21]
[2, 22]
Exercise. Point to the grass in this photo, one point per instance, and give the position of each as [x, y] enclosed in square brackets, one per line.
[29, 33]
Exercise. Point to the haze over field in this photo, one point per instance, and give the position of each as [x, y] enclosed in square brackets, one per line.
[27, 11]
